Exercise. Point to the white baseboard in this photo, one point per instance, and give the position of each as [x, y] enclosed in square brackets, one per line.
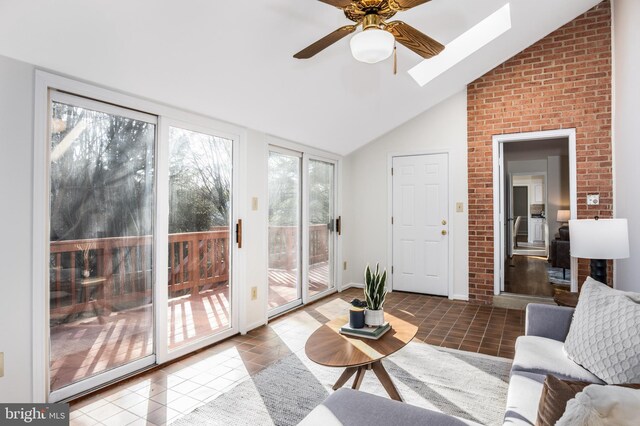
[352, 285]
[464, 297]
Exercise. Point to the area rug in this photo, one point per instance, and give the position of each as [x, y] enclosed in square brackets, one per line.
[555, 275]
[467, 385]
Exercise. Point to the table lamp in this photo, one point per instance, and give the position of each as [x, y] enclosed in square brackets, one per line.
[599, 240]
[563, 216]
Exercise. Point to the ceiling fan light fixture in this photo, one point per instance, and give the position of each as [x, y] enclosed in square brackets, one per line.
[372, 45]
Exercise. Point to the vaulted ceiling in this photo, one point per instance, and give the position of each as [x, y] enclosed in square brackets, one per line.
[232, 60]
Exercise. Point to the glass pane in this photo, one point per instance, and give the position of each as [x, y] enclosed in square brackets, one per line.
[200, 168]
[284, 229]
[321, 187]
[100, 272]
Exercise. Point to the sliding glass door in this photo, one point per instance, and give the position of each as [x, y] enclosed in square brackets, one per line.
[322, 223]
[285, 182]
[101, 259]
[302, 228]
[200, 177]
[139, 229]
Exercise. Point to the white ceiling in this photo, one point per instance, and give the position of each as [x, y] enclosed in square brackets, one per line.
[233, 60]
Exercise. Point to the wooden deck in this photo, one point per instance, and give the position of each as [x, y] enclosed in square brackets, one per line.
[84, 347]
[283, 288]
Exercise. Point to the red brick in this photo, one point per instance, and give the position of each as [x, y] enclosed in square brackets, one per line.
[562, 81]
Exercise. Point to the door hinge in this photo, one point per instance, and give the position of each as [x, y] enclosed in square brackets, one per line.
[392, 171]
[392, 220]
[391, 269]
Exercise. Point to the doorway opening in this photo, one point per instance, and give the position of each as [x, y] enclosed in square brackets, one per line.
[534, 193]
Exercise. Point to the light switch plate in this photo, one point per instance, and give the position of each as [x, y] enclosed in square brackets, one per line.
[593, 199]
[344, 265]
[254, 203]
[254, 293]
[459, 207]
[1, 364]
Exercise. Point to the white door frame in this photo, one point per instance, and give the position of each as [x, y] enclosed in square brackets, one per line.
[450, 212]
[499, 202]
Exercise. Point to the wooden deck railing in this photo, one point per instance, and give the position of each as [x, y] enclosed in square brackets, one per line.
[116, 272]
[283, 246]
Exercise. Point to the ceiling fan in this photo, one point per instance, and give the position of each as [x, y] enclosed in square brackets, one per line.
[377, 39]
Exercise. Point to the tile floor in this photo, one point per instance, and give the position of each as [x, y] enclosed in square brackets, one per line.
[163, 395]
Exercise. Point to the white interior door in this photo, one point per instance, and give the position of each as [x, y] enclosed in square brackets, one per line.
[421, 224]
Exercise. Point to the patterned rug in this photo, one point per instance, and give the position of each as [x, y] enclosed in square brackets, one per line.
[555, 275]
[468, 385]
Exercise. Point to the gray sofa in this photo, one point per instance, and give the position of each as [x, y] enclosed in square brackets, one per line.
[538, 353]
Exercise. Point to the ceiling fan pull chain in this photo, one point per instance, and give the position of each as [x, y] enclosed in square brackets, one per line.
[395, 60]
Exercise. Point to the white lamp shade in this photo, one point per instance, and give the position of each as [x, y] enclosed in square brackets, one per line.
[372, 45]
[599, 239]
[563, 216]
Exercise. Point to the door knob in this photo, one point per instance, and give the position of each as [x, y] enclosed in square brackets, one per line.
[444, 232]
[444, 222]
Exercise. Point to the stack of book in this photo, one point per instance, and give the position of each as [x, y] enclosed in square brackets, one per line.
[367, 332]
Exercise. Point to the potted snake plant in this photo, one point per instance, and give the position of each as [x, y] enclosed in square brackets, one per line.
[375, 292]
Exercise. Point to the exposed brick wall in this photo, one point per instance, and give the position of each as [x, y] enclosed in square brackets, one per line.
[562, 81]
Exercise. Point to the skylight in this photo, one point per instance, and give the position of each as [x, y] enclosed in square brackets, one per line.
[478, 36]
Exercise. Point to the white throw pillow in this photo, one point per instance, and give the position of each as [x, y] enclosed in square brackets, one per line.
[600, 405]
[604, 336]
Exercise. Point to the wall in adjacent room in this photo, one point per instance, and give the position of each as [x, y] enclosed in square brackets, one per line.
[562, 81]
[367, 178]
[626, 56]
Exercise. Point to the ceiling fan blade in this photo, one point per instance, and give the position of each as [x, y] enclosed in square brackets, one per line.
[325, 42]
[409, 37]
[405, 4]
[341, 4]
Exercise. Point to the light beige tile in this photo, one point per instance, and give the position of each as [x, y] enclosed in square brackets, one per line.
[145, 408]
[186, 387]
[203, 378]
[151, 390]
[219, 384]
[120, 419]
[104, 412]
[163, 415]
[129, 400]
[84, 420]
[165, 397]
[203, 393]
[184, 404]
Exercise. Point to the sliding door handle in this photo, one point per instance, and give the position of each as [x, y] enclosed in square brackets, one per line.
[239, 233]
[339, 225]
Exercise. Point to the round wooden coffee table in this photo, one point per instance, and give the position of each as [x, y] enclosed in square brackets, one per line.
[326, 346]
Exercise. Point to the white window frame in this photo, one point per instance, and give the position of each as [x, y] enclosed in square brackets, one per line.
[44, 82]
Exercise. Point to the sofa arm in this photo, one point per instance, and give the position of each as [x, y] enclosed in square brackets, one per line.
[548, 321]
[347, 407]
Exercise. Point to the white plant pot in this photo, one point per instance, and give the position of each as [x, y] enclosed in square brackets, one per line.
[374, 318]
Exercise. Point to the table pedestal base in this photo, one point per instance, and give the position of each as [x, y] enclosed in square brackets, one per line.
[378, 370]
